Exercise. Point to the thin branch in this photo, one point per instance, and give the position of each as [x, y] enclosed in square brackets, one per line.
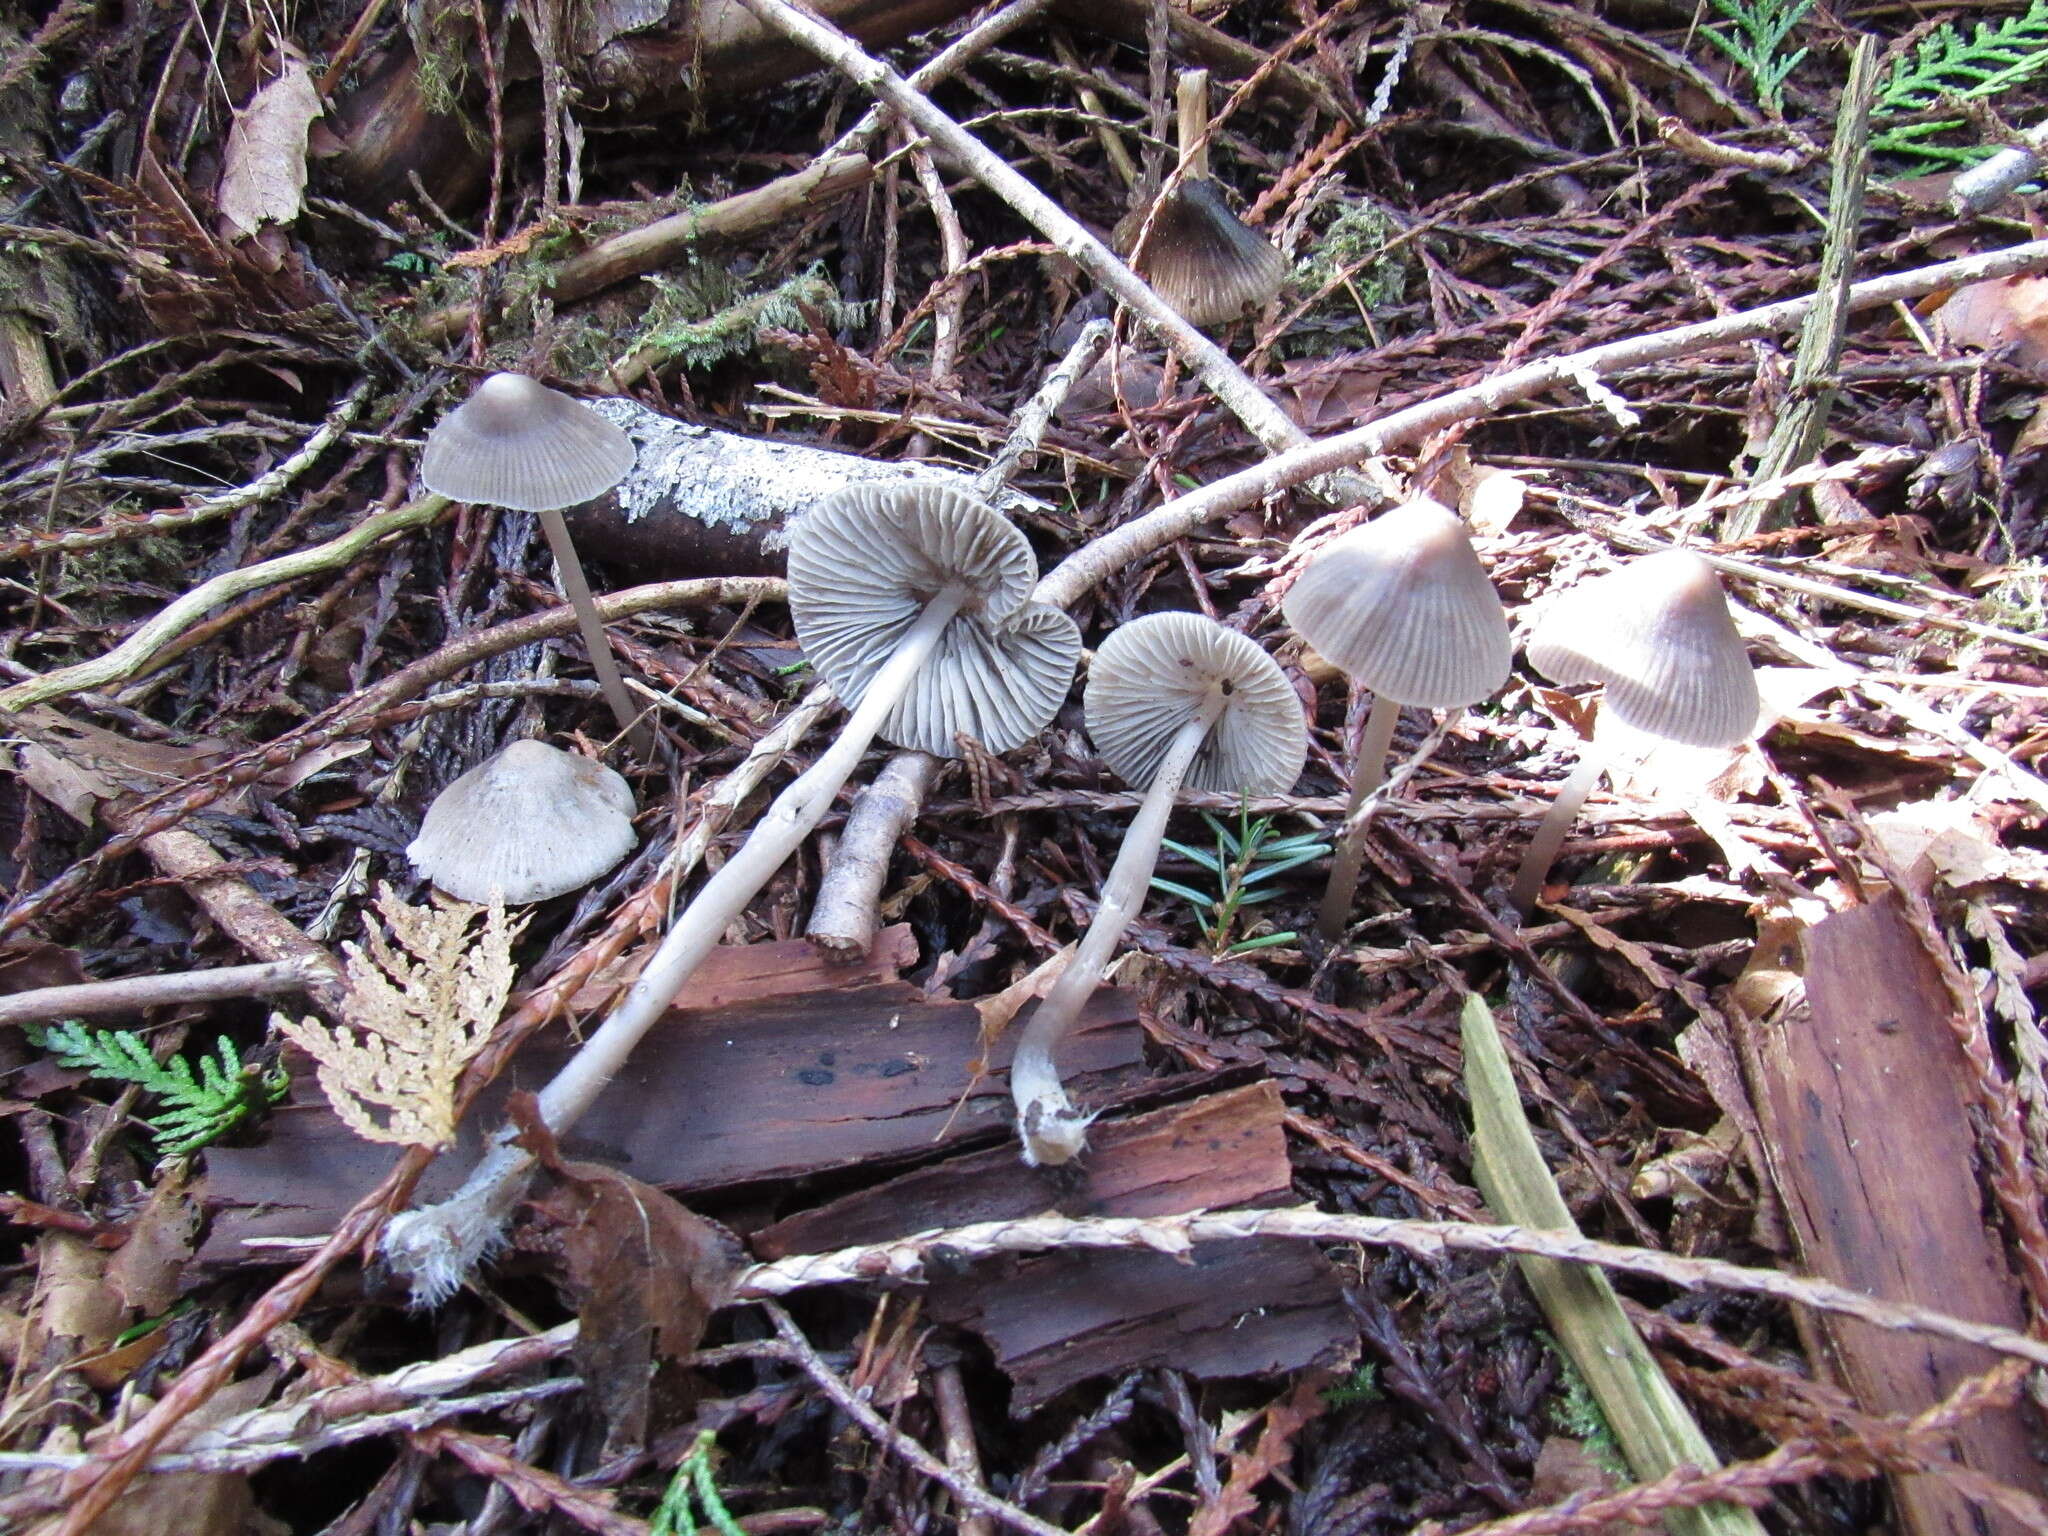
[1123, 546]
[1229, 383]
[129, 994]
[904, 1258]
[968, 1494]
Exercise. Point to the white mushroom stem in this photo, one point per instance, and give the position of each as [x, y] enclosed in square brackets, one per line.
[1368, 773]
[576, 587]
[1052, 1128]
[439, 1245]
[1557, 821]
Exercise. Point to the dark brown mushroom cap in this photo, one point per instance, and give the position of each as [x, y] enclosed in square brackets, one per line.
[1403, 605]
[1153, 675]
[516, 443]
[1204, 260]
[862, 566]
[530, 823]
[1658, 633]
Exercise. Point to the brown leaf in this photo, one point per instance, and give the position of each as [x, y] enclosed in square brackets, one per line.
[263, 174]
[1565, 1468]
[147, 1269]
[643, 1274]
[1273, 1450]
[2007, 312]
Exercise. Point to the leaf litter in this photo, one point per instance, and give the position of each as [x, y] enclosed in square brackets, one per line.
[254, 233]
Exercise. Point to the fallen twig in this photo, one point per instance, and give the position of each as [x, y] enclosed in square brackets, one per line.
[1096, 561]
[130, 993]
[903, 1259]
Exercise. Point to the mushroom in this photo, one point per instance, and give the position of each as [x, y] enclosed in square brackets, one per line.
[1403, 606]
[1204, 260]
[1658, 633]
[529, 823]
[914, 602]
[516, 443]
[1172, 698]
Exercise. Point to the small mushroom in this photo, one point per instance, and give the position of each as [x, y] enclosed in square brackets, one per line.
[1403, 606]
[1204, 260]
[529, 823]
[516, 443]
[914, 602]
[1172, 698]
[1658, 633]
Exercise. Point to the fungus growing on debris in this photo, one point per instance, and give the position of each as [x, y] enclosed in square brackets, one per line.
[1172, 698]
[1405, 609]
[1658, 633]
[914, 603]
[516, 443]
[1202, 258]
[531, 822]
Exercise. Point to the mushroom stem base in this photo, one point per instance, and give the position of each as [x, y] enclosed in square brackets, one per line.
[1054, 1131]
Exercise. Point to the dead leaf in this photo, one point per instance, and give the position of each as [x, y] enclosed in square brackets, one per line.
[1946, 841]
[996, 1012]
[146, 1270]
[1565, 1469]
[644, 1276]
[1285, 1420]
[263, 172]
[2006, 312]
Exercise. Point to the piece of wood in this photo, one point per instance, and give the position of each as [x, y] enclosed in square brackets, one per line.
[1055, 1320]
[745, 1090]
[1861, 1093]
[711, 502]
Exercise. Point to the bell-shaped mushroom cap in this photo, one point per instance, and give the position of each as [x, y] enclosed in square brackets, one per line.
[530, 823]
[1658, 633]
[1152, 675]
[1206, 261]
[864, 563]
[1404, 606]
[516, 443]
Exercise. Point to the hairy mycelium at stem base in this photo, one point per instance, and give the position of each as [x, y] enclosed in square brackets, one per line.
[1052, 1128]
[1172, 699]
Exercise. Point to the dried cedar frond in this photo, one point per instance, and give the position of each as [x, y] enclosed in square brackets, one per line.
[422, 996]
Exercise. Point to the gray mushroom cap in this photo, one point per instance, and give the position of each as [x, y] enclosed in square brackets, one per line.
[1658, 633]
[530, 823]
[516, 443]
[1403, 605]
[862, 566]
[1204, 260]
[1153, 675]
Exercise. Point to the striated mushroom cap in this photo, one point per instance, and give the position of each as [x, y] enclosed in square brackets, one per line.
[1204, 260]
[1403, 605]
[529, 823]
[1658, 633]
[862, 566]
[1152, 675]
[516, 443]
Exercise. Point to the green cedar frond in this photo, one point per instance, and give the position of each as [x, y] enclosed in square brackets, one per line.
[200, 1104]
[1756, 37]
[1952, 64]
